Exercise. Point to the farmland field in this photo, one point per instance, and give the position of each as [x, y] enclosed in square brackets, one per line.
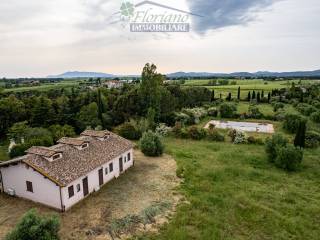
[246, 86]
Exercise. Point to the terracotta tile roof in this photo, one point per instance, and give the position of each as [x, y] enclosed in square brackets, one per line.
[42, 151]
[72, 141]
[77, 163]
[92, 133]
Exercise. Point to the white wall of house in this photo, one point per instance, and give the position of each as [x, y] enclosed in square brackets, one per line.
[44, 190]
[93, 179]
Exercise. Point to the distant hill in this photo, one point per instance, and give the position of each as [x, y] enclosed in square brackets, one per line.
[246, 74]
[77, 74]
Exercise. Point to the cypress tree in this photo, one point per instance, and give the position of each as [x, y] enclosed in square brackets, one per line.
[212, 96]
[299, 140]
[262, 94]
[249, 96]
[258, 97]
[100, 108]
[269, 97]
[229, 97]
[253, 95]
[239, 89]
[220, 96]
[301, 97]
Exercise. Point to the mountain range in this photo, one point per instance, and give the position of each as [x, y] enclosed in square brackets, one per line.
[77, 74]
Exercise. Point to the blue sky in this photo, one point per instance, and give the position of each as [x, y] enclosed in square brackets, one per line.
[43, 37]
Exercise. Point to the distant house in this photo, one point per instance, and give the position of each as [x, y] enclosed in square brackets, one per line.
[113, 84]
[62, 175]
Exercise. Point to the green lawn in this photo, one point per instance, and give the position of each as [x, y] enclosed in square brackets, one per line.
[234, 193]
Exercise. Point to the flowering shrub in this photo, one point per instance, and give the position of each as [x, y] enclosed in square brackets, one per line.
[163, 130]
[239, 138]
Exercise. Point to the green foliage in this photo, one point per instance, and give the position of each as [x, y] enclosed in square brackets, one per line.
[288, 158]
[277, 106]
[129, 131]
[17, 131]
[88, 116]
[240, 137]
[315, 117]
[215, 135]
[254, 140]
[213, 112]
[299, 140]
[306, 109]
[196, 134]
[291, 122]
[228, 110]
[151, 144]
[34, 227]
[312, 139]
[254, 112]
[272, 144]
[163, 130]
[59, 131]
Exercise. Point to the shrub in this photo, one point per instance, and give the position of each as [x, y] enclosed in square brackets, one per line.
[228, 110]
[151, 145]
[196, 133]
[183, 118]
[306, 109]
[128, 131]
[254, 112]
[213, 112]
[291, 122]
[163, 130]
[195, 114]
[277, 106]
[315, 117]
[312, 139]
[232, 134]
[272, 144]
[239, 138]
[34, 227]
[59, 131]
[214, 135]
[288, 158]
[280, 115]
[253, 140]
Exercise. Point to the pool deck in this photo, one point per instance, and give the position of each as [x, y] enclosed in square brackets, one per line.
[243, 126]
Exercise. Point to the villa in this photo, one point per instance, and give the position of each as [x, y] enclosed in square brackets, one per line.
[62, 175]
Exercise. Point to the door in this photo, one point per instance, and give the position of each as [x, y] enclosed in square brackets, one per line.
[121, 164]
[85, 186]
[100, 177]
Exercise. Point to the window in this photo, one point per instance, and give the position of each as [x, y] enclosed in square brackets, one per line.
[55, 157]
[29, 186]
[85, 145]
[71, 191]
[125, 159]
[111, 167]
[78, 188]
[106, 171]
[129, 157]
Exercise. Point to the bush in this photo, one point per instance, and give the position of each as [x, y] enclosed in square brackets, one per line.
[196, 133]
[291, 122]
[183, 118]
[213, 112]
[315, 117]
[214, 135]
[253, 140]
[280, 115]
[272, 144]
[254, 112]
[163, 130]
[34, 227]
[128, 131]
[228, 110]
[277, 106]
[239, 138]
[289, 158]
[312, 139]
[151, 145]
[306, 109]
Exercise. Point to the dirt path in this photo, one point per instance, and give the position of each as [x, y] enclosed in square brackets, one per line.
[151, 181]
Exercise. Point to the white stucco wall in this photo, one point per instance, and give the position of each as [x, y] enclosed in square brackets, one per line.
[44, 190]
[93, 180]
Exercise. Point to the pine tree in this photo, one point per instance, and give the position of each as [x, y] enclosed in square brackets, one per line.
[239, 89]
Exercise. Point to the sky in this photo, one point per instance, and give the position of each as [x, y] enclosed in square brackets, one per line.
[44, 37]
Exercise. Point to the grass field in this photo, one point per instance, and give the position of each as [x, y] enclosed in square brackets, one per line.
[46, 86]
[246, 86]
[234, 193]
